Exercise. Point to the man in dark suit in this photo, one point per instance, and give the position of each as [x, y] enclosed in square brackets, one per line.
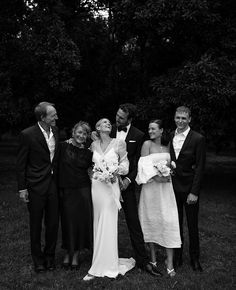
[187, 149]
[36, 173]
[134, 139]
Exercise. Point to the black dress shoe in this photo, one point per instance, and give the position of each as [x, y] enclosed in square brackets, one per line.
[65, 265]
[196, 266]
[50, 265]
[39, 268]
[152, 270]
[75, 266]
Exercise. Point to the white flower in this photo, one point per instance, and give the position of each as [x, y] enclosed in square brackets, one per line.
[106, 171]
[173, 164]
[162, 169]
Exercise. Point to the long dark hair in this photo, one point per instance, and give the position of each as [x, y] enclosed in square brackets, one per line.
[165, 138]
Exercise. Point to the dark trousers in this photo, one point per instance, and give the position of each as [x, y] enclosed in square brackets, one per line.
[43, 206]
[136, 235]
[192, 222]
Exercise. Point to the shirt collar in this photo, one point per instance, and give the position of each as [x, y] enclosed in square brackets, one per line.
[44, 131]
[128, 127]
[185, 133]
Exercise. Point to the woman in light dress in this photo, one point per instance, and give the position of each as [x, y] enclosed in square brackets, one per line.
[106, 203]
[157, 206]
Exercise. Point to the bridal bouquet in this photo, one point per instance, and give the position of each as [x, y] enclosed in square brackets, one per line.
[162, 169]
[106, 171]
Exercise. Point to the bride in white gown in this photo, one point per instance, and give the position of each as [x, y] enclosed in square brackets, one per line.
[106, 203]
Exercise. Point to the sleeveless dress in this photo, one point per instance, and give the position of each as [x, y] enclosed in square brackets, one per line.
[106, 203]
[157, 206]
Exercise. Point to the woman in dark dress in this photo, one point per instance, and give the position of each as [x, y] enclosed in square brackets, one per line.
[75, 191]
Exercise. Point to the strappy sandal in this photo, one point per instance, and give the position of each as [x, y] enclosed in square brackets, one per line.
[171, 273]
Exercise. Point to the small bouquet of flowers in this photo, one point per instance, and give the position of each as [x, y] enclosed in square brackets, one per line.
[106, 171]
[163, 170]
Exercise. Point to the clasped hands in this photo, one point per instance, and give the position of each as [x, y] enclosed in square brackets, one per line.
[123, 183]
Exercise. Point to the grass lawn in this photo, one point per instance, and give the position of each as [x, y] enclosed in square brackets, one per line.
[217, 232]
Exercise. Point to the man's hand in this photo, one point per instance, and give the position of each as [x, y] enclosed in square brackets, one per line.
[69, 141]
[94, 136]
[192, 198]
[125, 184]
[24, 195]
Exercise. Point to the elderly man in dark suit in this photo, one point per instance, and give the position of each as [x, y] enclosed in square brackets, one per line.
[134, 139]
[187, 149]
[36, 172]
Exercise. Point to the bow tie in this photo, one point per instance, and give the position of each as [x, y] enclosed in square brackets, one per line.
[122, 129]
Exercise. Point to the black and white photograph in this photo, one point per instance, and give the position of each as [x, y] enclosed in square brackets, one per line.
[117, 144]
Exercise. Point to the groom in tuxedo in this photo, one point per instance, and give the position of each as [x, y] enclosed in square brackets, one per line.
[36, 174]
[187, 150]
[123, 129]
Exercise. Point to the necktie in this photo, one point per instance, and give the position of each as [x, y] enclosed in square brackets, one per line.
[122, 129]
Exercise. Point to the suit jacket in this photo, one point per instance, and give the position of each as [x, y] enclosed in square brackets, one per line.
[34, 167]
[134, 141]
[189, 164]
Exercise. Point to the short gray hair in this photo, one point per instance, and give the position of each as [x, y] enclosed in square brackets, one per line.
[41, 110]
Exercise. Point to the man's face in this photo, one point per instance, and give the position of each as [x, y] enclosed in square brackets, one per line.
[122, 119]
[182, 121]
[51, 117]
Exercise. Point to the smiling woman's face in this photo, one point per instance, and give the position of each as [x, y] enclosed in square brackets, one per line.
[154, 131]
[104, 126]
[80, 135]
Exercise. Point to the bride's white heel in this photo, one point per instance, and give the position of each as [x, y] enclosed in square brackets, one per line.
[88, 277]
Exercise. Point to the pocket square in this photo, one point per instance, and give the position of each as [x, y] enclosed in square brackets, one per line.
[132, 141]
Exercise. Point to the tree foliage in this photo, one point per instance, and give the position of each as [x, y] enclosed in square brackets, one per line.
[156, 53]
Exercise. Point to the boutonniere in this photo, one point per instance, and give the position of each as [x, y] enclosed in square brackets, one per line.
[173, 165]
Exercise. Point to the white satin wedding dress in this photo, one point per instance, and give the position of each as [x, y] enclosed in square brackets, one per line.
[106, 203]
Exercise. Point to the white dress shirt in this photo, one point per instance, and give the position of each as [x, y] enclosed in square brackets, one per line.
[178, 141]
[50, 141]
[122, 134]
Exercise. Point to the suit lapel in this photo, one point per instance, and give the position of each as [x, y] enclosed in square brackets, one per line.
[186, 142]
[129, 135]
[172, 151]
[41, 138]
